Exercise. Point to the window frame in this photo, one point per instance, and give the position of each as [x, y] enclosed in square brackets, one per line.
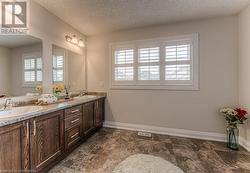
[32, 55]
[161, 84]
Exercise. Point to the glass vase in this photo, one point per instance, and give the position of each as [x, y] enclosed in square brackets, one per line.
[233, 137]
[57, 95]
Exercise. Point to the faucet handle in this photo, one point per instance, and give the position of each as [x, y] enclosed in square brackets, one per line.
[9, 103]
[83, 92]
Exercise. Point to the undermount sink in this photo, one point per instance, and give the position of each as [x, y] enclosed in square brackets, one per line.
[18, 111]
[85, 97]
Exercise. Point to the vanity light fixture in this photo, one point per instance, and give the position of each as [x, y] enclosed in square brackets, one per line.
[75, 41]
[68, 38]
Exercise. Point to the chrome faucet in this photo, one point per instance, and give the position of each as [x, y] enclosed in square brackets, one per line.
[82, 93]
[67, 92]
[8, 104]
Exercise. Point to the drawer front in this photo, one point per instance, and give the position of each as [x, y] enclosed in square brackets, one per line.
[73, 110]
[73, 136]
[73, 120]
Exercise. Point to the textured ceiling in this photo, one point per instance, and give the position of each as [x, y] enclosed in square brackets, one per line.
[99, 16]
[12, 41]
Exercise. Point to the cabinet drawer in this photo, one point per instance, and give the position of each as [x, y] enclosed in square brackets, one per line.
[73, 110]
[73, 136]
[73, 120]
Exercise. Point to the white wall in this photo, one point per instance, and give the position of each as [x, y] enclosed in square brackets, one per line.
[46, 26]
[244, 68]
[191, 110]
[17, 87]
[5, 72]
[51, 30]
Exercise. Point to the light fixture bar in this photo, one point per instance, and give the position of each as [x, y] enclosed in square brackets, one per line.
[74, 40]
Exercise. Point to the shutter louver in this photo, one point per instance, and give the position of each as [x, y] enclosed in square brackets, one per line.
[58, 68]
[124, 56]
[123, 66]
[32, 70]
[149, 64]
[178, 62]
[29, 76]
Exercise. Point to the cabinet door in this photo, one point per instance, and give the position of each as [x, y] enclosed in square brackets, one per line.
[99, 112]
[47, 139]
[14, 148]
[88, 118]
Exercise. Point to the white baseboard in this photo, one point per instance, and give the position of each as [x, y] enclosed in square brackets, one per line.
[167, 131]
[244, 144]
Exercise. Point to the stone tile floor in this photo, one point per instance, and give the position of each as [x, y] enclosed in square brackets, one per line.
[107, 148]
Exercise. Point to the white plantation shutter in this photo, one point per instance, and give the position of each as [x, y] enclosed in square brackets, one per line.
[39, 74]
[32, 69]
[29, 70]
[58, 68]
[149, 64]
[123, 65]
[165, 63]
[29, 76]
[178, 61]
[124, 56]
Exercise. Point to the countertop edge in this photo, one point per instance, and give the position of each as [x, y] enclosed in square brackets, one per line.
[48, 109]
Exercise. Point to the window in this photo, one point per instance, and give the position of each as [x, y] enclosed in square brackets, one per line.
[58, 67]
[124, 62]
[178, 62]
[165, 63]
[149, 64]
[32, 69]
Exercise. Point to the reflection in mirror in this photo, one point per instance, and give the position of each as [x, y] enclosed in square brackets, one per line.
[68, 68]
[20, 65]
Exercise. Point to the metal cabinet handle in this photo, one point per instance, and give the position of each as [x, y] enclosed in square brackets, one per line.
[97, 105]
[73, 121]
[75, 111]
[34, 124]
[27, 129]
[74, 135]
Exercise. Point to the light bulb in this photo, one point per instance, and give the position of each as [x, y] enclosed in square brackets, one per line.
[74, 40]
[81, 43]
[68, 38]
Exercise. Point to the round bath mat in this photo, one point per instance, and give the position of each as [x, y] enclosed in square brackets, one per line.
[143, 163]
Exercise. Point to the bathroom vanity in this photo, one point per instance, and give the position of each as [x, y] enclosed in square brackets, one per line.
[36, 142]
[34, 138]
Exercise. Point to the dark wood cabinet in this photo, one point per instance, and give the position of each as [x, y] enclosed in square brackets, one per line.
[35, 145]
[73, 127]
[88, 118]
[99, 112]
[46, 140]
[14, 148]
[73, 137]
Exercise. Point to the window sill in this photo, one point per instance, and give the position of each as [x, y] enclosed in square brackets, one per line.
[156, 87]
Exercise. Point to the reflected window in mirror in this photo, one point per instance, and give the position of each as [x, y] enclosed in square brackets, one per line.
[58, 67]
[32, 69]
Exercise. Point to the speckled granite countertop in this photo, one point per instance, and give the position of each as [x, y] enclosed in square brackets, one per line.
[47, 109]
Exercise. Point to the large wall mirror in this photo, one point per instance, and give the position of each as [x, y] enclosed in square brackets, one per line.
[68, 68]
[20, 65]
